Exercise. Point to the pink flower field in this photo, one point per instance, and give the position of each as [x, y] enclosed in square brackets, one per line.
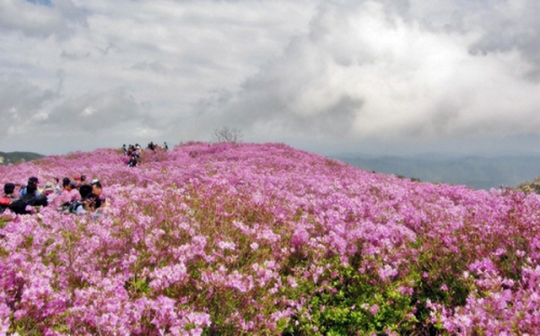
[264, 239]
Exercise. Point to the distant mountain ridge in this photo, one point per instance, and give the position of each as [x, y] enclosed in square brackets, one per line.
[18, 157]
[477, 172]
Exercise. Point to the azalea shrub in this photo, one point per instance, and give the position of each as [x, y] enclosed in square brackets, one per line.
[243, 239]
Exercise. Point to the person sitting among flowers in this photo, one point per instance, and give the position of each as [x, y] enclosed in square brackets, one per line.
[31, 181]
[68, 195]
[89, 201]
[9, 190]
[49, 192]
[7, 198]
[30, 198]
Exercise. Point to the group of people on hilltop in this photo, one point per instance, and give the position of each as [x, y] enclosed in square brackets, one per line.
[133, 152]
[153, 146]
[73, 195]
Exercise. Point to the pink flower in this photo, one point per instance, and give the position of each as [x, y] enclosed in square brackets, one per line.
[387, 271]
[374, 309]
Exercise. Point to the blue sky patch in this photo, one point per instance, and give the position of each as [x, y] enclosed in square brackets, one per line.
[41, 2]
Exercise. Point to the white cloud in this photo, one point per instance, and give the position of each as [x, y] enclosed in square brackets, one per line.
[341, 72]
[40, 20]
[21, 104]
[410, 81]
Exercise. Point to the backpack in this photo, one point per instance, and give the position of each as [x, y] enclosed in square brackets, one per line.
[39, 200]
[72, 207]
[5, 201]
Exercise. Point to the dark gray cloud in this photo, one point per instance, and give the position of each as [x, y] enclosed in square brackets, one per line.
[21, 105]
[95, 112]
[41, 119]
[500, 26]
[73, 57]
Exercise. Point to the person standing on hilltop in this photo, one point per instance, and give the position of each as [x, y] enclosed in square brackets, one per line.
[134, 158]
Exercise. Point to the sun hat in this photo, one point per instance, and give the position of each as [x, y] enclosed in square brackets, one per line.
[48, 187]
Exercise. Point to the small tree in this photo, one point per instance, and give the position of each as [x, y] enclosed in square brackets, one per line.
[226, 134]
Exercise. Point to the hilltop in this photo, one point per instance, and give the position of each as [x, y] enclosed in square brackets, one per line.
[243, 239]
[18, 157]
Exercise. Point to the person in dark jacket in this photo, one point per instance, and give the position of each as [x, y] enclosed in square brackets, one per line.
[31, 198]
[31, 181]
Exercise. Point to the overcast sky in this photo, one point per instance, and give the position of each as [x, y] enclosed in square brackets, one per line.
[377, 77]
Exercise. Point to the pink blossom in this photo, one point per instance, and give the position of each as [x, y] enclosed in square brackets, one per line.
[261, 229]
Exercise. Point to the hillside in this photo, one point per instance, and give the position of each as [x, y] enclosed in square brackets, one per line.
[265, 239]
[530, 186]
[18, 157]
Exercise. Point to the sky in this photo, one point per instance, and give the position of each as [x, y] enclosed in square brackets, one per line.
[378, 77]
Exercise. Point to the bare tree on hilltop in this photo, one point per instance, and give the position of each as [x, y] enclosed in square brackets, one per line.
[226, 134]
